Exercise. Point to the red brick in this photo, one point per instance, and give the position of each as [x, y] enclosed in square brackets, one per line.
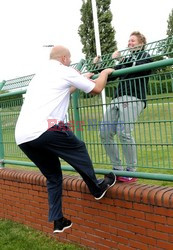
[138, 193]
[105, 221]
[135, 214]
[170, 238]
[120, 239]
[103, 247]
[107, 201]
[86, 216]
[33, 192]
[78, 220]
[164, 245]
[88, 243]
[118, 193]
[94, 238]
[92, 224]
[146, 239]
[78, 233]
[159, 195]
[108, 243]
[86, 229]
[70, 212]
[84, 203]
[143, 207]
[163, 211]
[74, 194]
[138, 245]
[126, 219]
[108, 215]
[154, 248]
[137, 229]
[167, 201]
[76, 207]
[103, 234]
[68, 199]
[119, 210]
[89, 210]
[145, 194]
[74, 238]
[101, 207]
[87, 196]
[164, 228]
[170, 221]
[154, 194]
[131, 192]
[120, 225]
[124, 247]
[144, 223]
[126, 234]
[123, 204]
[156, 218]
[157, 235]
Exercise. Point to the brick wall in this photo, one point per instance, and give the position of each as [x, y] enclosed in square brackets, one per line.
[130, 216]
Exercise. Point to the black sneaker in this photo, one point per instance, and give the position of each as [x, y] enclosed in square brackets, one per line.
[108, 182]
[61, 224]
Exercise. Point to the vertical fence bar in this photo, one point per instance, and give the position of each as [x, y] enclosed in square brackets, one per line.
[1, 146]
[1, 138]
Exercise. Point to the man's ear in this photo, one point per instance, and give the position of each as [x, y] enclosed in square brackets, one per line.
[64, 59]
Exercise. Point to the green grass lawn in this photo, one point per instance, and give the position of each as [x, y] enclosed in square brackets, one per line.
[15, 236]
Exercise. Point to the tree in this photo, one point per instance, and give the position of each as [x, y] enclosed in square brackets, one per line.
[86, 29]
[170, 24]
[170, 33]
[165, 47]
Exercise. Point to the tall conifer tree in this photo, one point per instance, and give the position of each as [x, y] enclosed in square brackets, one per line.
[86, 29]
[170, 32]
[170, 24]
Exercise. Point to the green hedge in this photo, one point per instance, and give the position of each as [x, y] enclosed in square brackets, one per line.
[11, 101]
[160, 87]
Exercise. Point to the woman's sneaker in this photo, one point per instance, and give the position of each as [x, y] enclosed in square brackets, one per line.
[61, 224]
[108, 182]
[126, 179]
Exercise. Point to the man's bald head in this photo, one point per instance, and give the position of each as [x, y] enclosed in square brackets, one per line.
[61, 54]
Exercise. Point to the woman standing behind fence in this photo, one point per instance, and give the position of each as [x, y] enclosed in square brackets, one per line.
[129, 101]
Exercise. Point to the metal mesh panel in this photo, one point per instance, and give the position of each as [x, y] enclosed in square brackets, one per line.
[157, 51]
[153, 130]
[17, 83]
[10, 108]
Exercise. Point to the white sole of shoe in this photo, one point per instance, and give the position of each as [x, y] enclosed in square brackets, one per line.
[105, 191]
[61, 231]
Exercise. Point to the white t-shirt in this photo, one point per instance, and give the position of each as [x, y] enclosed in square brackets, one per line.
[47, 99]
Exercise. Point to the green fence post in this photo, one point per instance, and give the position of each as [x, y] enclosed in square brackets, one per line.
[1, 146]
[75, 97]
[1, 139]
[2, 84]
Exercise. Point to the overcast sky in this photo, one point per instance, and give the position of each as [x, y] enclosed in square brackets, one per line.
[27, 25]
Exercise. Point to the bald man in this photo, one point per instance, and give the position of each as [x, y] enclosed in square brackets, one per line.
[47, 100]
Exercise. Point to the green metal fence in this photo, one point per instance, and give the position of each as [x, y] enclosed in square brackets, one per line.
[153, 131]
[157, 50]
